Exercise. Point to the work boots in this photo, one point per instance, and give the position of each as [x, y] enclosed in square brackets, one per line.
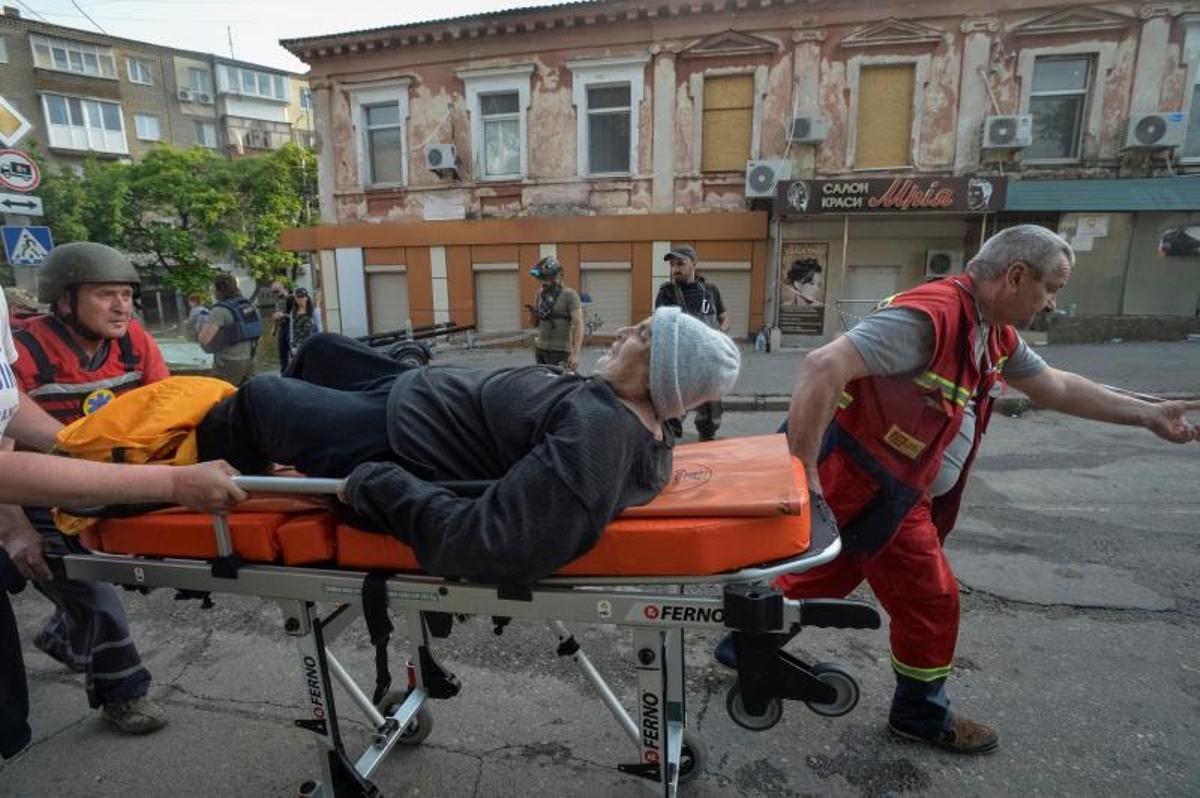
[135, 716]
[965, 736]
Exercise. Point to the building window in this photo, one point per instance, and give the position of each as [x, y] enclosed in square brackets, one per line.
[607, 94]
[1057, 98]
[65, 56]
[206, 134]
[74, 123]
[3, 49]
[380, 115]
[1191, 145]
[147, 127]
[139, 71]
[199, 80]
[306, 100]
[498, 100]
[728, 122]
[252, 83]
[884, 129]
[501, 116]
[385, 142]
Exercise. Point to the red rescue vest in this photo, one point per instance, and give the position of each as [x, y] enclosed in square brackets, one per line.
[52, 368]
[885, 445]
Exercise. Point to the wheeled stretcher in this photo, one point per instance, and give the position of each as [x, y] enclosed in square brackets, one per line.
[295, 552]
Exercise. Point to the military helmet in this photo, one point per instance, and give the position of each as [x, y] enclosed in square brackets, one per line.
[546, 267]
[82, 262]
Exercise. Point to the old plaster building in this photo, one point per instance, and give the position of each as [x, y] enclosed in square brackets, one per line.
[819, 154]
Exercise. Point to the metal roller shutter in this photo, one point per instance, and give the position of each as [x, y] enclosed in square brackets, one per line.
[734, 286]
[497, 302]
[609, 290]
[388, 295]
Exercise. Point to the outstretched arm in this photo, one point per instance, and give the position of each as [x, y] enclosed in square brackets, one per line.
[819, 384]
[1078, 396]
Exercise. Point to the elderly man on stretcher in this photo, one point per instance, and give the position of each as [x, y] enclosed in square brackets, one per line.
[566, 453]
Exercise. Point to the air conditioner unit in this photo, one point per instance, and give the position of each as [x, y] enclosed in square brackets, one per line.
[441, 156]
[185, 95]
[1155, 131]
[204, 98]
[942, 263]
[763, 176]
[808, 130]
[1007, 132]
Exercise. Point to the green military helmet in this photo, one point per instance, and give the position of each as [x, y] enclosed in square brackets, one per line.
[82, 262]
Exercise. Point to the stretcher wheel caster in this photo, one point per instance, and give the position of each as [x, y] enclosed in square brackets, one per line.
[418, 728]
[693, 759]
[847, 690]
[739, 715]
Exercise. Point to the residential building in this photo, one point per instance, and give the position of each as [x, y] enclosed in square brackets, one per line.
[73, 93]
[818, 154]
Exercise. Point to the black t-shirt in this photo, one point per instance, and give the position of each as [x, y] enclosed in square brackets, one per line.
[693, 297]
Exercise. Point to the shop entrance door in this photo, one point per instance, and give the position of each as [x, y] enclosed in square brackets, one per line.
[865, 286]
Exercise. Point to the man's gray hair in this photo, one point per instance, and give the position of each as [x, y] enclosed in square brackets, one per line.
[1028, 243]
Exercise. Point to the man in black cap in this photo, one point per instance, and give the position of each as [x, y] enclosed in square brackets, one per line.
[699, 298]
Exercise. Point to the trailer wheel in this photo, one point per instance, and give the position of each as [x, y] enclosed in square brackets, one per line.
[693, 759]
[410, 355]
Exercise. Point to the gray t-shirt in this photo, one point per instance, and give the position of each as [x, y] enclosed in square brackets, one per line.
[899, 342]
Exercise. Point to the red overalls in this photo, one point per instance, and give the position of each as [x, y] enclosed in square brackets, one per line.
[878, 459]
[52, 368]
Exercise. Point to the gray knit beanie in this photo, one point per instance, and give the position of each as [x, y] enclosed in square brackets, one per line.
[690, 363]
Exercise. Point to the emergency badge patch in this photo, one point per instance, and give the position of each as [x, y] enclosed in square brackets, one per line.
[904, 443]
[96, 400]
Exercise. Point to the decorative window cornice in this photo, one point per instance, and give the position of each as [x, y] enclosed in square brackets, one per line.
[891, 32]
[1081, 19]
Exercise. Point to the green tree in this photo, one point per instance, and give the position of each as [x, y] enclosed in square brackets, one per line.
[276, 191]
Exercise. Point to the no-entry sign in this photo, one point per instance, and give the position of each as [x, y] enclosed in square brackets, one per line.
[18, 172]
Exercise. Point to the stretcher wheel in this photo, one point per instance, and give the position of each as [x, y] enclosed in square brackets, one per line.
[739, 715]
[847, 690]
[418, 728]
[693, 759]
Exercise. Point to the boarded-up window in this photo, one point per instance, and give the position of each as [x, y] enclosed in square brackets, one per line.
[728, 119]
[885, 116]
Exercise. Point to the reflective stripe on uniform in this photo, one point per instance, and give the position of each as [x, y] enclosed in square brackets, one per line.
[953, 393]
[920, 674]
[846, 399]
[83, 388]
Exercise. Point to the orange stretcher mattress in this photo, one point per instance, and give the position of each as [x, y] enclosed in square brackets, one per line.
[730, 504]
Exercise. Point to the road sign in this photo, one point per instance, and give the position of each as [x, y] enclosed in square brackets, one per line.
[13, 126]
[26, 204]
[18, 172]
[26, 246]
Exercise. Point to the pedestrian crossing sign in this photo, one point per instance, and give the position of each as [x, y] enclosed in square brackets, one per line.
[27, 246]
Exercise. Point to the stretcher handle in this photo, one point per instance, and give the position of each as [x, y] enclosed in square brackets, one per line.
[322, 485]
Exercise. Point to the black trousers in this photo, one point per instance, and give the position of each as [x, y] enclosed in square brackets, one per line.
[14, 690]
[326, 416]
[283, 339]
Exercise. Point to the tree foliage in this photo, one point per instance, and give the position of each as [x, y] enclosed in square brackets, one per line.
[178, 212]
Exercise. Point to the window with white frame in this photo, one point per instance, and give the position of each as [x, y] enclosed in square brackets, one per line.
[1058, 101]
[608, 95]
[498, 100]
[380, 115]
[147, 127]
[66, 56]
[75, 123]
[206, 134]
[252, 83]
[139, 71]
[3, 49]
[199, 80]
[305, 100]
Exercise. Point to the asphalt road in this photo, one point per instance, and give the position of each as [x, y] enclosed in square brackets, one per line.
[1078, 554]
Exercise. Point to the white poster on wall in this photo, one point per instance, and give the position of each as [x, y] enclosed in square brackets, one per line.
[1093, 226]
